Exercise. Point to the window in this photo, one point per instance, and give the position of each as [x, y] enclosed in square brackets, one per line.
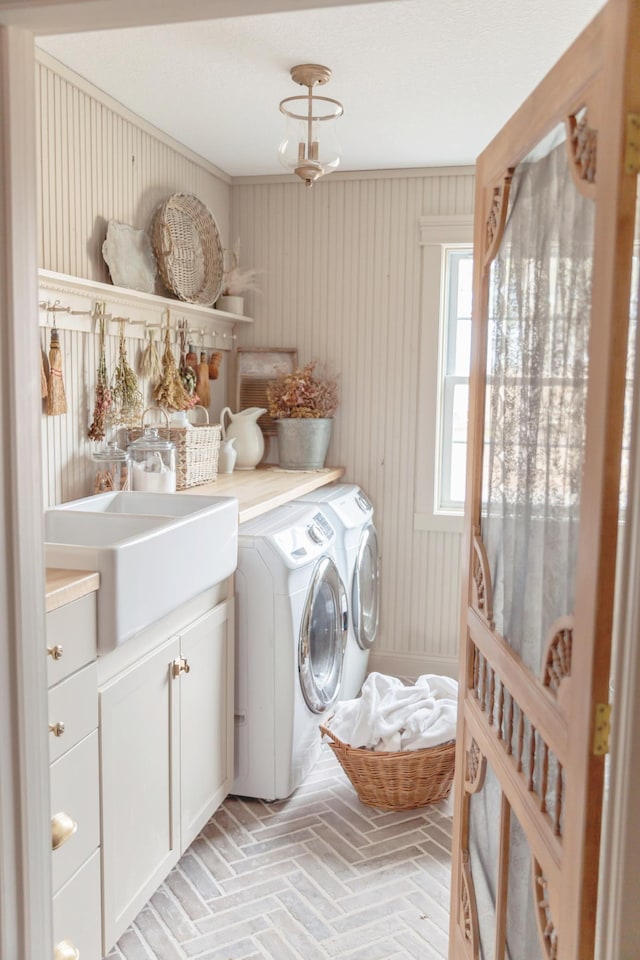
[453, 379]
[443, 384]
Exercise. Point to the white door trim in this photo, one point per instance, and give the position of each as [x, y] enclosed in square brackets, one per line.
[25, 835]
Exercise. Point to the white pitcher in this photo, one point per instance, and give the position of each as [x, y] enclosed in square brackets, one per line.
[248, 436]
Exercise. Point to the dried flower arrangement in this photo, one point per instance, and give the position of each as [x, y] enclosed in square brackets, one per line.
[301, 394]
[126, 396]
[170, 391]
[237, 281]
[150, 363]
[102, 406]
[187, 371]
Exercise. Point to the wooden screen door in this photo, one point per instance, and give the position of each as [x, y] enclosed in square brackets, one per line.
[533, 717]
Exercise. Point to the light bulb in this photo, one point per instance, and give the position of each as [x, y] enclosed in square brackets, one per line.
[309, 149]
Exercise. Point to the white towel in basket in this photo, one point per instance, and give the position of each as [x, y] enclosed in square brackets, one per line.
[391, 716]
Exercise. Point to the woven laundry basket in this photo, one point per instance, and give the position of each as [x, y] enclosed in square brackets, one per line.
[197, 449]
[403, 780]
[188, 249]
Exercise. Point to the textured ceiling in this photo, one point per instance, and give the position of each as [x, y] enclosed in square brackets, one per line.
[423, 82]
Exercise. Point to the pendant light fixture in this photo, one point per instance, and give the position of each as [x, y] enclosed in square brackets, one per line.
[310, 148]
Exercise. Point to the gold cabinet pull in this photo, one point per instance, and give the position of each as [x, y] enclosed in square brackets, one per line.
[57, 729]
[55, 652]
[181, 665]
[62, 828]
[66, 951]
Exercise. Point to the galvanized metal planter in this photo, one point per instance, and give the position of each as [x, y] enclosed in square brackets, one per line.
[303, 442]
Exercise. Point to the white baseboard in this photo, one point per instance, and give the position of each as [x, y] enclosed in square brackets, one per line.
[412, 665]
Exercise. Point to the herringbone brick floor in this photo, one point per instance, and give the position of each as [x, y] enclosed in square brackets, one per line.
[319, 876]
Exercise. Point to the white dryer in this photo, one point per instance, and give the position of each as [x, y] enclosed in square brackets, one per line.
[292, 622]
[351, 512]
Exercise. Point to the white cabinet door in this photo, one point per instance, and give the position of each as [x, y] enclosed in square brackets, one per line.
[206, 718]
[140, 790]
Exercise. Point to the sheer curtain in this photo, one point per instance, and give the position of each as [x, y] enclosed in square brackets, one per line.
[539, 315]
[538, 338]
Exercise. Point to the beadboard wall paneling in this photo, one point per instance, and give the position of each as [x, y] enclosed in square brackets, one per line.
[97, 163]
[343, 283]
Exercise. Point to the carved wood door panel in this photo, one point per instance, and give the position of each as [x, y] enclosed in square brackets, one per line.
[554, 223]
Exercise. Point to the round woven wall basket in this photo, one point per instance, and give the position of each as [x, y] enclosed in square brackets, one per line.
[187, 245]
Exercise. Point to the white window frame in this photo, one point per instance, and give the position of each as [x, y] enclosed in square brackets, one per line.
[437, 235]
[447, 383]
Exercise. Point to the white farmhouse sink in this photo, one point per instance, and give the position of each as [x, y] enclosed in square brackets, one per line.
[154, 551]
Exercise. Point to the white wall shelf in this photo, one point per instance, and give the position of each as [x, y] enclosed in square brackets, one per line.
[72, 301]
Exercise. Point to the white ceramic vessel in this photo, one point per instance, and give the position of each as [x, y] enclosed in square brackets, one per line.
[244, 428]
[227, 455]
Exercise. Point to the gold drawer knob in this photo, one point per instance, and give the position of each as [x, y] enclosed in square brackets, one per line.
[181, 665]
[57, 729]
[55, 652]
[62, 828]
[66, 951]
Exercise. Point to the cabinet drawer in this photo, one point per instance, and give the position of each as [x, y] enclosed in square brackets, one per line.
[75, 791]
[74, 703]
[76, 911]
[73, 629]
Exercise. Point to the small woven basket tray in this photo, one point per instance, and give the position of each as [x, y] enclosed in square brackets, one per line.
[188, 249]
[197, 449]
[396, 781]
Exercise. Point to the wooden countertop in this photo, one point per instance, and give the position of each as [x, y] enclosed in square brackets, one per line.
[263, 489]
[63, 586]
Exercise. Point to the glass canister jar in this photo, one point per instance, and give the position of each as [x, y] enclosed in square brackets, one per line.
[112, 468]
[152, 462]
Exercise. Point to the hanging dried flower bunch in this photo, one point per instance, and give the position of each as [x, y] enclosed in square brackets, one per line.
[125, 392]
[150, 365]
[170, 392]
[103, 392]
[187, 372]
[188, 378]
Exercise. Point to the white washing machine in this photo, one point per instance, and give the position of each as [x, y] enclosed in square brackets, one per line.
[292, 622]
[351, 512]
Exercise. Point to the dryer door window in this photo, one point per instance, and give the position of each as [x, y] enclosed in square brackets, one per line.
[365, 590]
[323, 635]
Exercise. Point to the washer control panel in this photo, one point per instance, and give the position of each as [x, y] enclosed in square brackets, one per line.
[321, 530]
[305, 538]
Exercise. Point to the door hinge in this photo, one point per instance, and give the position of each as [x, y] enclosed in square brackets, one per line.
[632, 144]
[602, 728]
